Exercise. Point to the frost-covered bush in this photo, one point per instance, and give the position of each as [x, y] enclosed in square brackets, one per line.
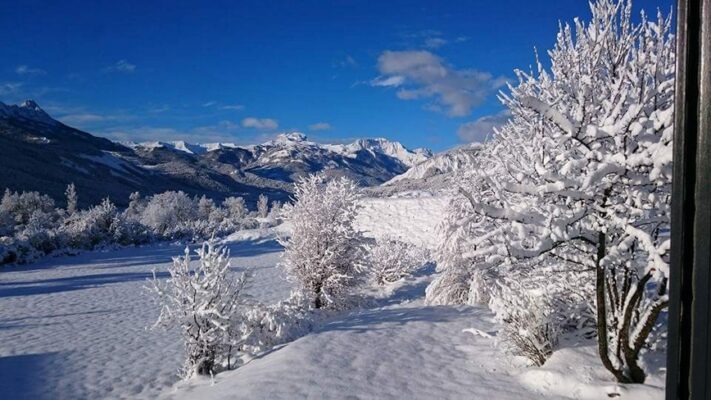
[390, 260]
[262, 206]
[235, 208]
[38, 232]
[30, 225]
[267, 326]
[324, 253]
[530, 327]
[89, 228]
[166, 212]
[20, 206]
[72, 199]
[204, 303]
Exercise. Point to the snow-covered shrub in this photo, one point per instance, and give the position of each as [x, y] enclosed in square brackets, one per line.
[275, 211]
[72, 199]
[89, 228]
[265, 327]
[127, 231]
[235, 208]
[20, 206]
[167, 212]
[262, 206]
[204, 303]
[39, 233]
[136, 205]
[324, 253]
[530, 328]
[205, 209]
[580, 176]
[390, 260]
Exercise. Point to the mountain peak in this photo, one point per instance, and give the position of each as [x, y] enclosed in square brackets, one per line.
[28, 110]
[31, 104]
[291, 137]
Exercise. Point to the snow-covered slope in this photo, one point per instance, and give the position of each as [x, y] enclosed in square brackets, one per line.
[28, 110]
[440, 164]
[412, 219]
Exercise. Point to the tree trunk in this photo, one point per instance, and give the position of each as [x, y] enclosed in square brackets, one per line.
[601, 308]
[317, 296]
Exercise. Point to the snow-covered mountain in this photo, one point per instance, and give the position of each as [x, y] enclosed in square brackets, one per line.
[291, 155]
[438, 165]
[40, 153]
[28, 111]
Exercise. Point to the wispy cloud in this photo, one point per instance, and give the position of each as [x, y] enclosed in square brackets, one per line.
[25, 70]
[122, 66]
[482, 128]
[83, 118]
[434, 42]
[388, 81]
[224, 131]
[10, 88]
[233, 107]
[159, 109]
[225, 107]
[260, 123]
[422, 74]
[320, 126]
[346, 61]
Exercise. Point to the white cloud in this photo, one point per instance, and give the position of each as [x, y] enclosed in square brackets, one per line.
[25, 70]
[209, 103]
[320, 126]
[260, 123]
[422, 74]
[121, 66]
[434, 42]
[482, 128]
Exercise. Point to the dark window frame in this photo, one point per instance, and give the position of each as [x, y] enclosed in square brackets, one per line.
[689, 348]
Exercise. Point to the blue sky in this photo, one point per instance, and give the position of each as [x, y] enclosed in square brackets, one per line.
[243, 71]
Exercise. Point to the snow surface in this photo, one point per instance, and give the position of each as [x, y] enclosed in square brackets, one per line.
[75, 328]
[413, 220]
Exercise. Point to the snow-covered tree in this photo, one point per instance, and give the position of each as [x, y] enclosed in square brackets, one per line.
[275, 211]
[581, 175]
[136, 205]
[235, 207]
[90, 228]
[262, 206]
[206, 207]
[167, 211]
[324, 251]
[205, 303]
[72, 198]
[20, 206]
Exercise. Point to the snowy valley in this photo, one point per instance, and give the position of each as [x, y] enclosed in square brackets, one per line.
[532, 265]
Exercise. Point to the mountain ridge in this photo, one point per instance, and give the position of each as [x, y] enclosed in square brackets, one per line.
[43, 154]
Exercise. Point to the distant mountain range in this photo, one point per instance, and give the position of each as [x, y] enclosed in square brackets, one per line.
[40, 153]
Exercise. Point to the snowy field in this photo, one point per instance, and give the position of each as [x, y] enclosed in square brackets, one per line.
[75, 328]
